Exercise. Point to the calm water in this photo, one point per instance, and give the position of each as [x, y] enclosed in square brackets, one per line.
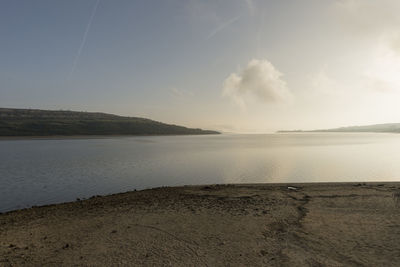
[36, 172]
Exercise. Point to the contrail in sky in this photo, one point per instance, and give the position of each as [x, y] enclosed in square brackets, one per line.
[83, 39]
[222, 26]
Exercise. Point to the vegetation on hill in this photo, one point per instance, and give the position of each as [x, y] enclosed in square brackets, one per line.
[32, 122]
[376, 128]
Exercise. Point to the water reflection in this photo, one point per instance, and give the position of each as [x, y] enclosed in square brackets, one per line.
[35, 172]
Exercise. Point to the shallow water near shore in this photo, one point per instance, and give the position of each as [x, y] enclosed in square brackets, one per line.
[46, 171]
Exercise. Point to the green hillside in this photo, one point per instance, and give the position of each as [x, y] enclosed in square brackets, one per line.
[32, 122]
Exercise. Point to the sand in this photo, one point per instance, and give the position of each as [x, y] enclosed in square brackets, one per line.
[219, 225]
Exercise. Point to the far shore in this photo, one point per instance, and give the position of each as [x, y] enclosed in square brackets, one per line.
[325, 224]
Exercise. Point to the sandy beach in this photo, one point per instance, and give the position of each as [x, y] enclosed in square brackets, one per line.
[349, 224]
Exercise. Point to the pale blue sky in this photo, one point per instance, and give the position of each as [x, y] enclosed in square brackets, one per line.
[170, 60]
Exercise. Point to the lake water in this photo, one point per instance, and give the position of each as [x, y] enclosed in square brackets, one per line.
[37, 172]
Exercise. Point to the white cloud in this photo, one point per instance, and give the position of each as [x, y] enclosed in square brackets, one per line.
[259, 80]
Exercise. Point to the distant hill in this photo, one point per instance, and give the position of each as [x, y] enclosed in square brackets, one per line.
[376, 128]
[33, 122]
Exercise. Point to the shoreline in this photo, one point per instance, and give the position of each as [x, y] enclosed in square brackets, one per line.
[283, 184]
[286, 224]
[68, 137]
[72, 137]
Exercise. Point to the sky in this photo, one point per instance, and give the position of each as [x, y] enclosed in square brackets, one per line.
[240, 66]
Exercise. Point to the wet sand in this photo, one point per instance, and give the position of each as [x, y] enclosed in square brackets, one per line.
[352, 224]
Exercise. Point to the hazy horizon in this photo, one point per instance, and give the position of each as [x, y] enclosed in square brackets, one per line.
[243, 66]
